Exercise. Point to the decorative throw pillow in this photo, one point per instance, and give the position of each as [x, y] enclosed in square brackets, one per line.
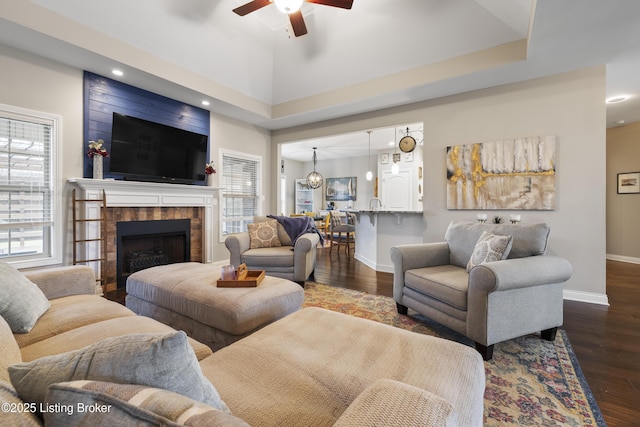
[164, 361]
[264, 234]
[14, 411]
[490, 247]
[21, 301]
[129, 404]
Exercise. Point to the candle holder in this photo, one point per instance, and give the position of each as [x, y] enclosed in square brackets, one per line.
[515, 219]
[482, 217]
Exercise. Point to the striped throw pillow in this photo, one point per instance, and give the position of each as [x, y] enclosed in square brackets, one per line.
[82, 403]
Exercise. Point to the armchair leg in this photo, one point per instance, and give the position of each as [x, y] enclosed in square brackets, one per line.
[301, 283]
[402, 309]
[485, 351]
[549, 334]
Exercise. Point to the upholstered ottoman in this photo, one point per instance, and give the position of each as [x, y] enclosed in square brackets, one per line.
[185, 297]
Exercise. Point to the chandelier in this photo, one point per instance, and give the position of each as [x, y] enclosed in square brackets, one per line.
[314, 179]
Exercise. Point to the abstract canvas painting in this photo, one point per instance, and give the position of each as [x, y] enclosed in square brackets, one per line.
[340, 189]
[509, 174]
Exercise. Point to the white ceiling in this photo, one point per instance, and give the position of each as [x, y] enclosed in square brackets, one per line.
[379, 54]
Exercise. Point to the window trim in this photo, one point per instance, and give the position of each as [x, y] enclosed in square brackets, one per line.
[57, 223]
[244, 156]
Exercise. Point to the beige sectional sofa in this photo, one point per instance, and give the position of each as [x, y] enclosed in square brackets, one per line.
[313, 367]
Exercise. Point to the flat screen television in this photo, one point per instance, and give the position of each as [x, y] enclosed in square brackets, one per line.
[147, 151]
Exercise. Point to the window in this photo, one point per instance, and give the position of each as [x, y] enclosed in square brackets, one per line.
[27, 183]
[241, 191]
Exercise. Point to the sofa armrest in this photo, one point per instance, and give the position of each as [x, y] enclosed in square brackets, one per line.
[519, 273]
[304, 256]
[420, 255]
[60, 282]
[408, 257]
[392, 403]
[237, 244]
[306, 242]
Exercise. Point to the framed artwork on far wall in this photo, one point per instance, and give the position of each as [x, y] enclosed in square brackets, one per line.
[384, 158]
[341, 189]
[629, 183]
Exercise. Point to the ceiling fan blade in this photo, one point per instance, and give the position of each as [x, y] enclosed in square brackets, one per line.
[297, 23]
[343, 4]
[252, 6]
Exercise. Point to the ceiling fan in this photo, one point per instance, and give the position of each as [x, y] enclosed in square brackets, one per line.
[292, 8]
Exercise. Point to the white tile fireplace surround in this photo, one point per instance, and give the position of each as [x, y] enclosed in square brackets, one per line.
[134, 194]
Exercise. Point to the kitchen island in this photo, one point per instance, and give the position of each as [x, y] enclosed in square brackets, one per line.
[377, 231]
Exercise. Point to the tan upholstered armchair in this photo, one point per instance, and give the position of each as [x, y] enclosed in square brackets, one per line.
[288, 261]
[494, 301]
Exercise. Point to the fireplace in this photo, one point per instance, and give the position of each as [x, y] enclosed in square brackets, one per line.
[129, 201]
[145, 244]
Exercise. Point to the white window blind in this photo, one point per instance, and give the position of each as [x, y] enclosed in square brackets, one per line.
[26, 188]
[240, 180]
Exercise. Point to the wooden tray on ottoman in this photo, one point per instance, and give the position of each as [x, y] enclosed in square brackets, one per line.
[244, 278]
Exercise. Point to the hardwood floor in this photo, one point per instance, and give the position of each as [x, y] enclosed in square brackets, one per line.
[606, 340]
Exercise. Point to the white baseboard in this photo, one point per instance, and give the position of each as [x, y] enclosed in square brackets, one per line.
[371, 264]
[623, 258]
[588, 297]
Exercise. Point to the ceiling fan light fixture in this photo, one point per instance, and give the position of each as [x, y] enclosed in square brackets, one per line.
[288, 6]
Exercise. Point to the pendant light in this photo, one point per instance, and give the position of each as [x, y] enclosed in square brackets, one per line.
[369, 175]
[314, 179]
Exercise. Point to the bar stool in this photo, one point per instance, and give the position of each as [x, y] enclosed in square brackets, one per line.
[338, 228]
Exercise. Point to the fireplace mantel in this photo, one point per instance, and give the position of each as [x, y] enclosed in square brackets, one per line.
[150, 194]
[135, 193]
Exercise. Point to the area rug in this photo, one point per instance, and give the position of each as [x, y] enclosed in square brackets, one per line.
[530, 381]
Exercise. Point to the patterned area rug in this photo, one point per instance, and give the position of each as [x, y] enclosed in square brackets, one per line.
[530, 381]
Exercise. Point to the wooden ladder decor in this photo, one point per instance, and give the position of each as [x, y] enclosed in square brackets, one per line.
[80, 240]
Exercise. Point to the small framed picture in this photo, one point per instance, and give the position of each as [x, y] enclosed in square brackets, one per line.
[629, 183]
[408, 157]
[384, 158]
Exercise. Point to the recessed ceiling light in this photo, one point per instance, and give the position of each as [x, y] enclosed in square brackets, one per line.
[391, 143]
[615, 99]
[205, 103]
[117, 72]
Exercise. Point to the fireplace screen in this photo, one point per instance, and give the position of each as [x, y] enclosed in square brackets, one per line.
[145, 244]
[139, 260]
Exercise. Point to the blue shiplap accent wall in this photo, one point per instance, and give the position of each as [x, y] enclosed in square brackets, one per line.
[104, 96]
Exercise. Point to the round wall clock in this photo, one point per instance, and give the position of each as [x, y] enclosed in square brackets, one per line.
[407, 144]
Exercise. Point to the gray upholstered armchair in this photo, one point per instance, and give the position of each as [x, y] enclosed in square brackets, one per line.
[292, 262]
[494, 301]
